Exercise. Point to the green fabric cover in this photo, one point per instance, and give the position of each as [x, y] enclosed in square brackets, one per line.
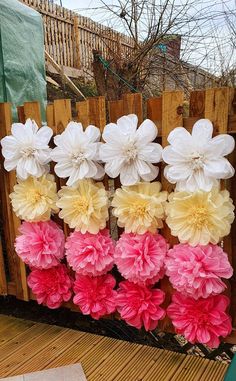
[22, 62]
[231, 371]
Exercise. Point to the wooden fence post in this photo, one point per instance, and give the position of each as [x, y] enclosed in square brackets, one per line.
[11, 223]
[76, 35]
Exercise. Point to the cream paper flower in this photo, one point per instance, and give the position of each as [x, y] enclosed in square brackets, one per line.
[197, 161]
[140, 208]
[201, 217]
[27, 150]
[130, 152]
[84, 206]
[77, 153]
[34, 199]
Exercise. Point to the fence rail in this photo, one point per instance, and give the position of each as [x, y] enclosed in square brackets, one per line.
[217, 104]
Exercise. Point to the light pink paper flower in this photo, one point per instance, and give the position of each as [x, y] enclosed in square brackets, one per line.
[139, 305]
[95, 296]
[140, 257]
[90, 254]
[52, 286]
[196, 271]
[41, 244]
[200, 321]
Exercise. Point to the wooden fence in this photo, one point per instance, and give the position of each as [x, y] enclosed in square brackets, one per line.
[217, 104]
[70, 38]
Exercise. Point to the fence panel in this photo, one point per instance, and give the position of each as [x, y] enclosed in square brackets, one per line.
[167, 113]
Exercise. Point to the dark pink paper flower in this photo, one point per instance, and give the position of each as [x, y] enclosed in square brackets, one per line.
[52, 286]
[196, 271]
[200, 321]
[139, 305]
[140, 257]
[41, 244]
[90, 254]
[95, 295]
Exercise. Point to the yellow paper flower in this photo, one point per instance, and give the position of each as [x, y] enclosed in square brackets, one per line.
[140, 208]
[84, 206]
[35, 199]
[200, 217]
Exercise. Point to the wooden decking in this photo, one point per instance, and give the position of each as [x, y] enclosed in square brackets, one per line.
[26, 346]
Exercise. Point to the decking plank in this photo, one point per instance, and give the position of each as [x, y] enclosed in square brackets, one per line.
[30, 347]
[62, 341]
[26, 349]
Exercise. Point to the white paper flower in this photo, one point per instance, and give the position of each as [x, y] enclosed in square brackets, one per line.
[77, 153]
[129, 152]
[27, 150]
[197, 161]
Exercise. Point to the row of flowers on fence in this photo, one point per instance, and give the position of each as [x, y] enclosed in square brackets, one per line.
[198, 213]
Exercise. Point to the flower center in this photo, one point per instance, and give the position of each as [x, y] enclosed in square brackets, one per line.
[199, 216]
[81, 205]
[139, 210]
[77, 159]
[197, 161]
[130, 151]
[33, 196]
[28, 151]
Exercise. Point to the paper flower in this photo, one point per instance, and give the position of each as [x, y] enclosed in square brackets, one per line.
[200, 321]
[140, 257]
[84, 206]
[27, 150]
[52, 286]
[139, 305]
[129, 152]
[95, 296]
[90, 254]
[200, 217]
[35, 199]
[140, 208]
[197, 161]
[41, 244]
[77, 153]
[196, 271]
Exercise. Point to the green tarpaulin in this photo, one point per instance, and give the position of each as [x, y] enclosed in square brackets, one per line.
[22, 63]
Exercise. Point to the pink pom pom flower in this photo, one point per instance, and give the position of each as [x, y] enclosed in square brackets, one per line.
[95, 296]
[200, 321]
[139, 305]
[41, 244]
[140, 257]
[52, 286]
[196, 271]
[90, 254]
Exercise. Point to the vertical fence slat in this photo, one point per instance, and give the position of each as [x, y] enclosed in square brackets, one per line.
[97, 112]
[11, 223]
[154, 111]
[82, 109]
[172, 102]
[3, 279]
[62, 116]
[32, 111]
[133, 104]
[217, 107]
[115, 110]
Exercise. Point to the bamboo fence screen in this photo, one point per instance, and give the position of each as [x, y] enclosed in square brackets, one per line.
[71, 38]
[216, 104]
